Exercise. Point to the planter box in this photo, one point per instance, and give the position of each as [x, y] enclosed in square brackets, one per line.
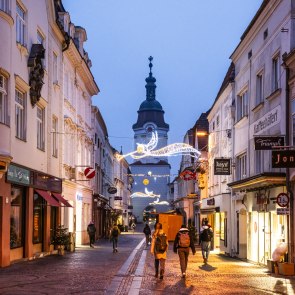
[286, 269]
[271, 265]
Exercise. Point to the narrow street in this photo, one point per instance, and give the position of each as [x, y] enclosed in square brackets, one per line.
[131, 271]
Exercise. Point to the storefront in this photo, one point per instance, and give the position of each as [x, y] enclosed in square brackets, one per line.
[30, 210]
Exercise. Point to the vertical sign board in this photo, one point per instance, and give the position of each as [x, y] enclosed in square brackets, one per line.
[222, 166]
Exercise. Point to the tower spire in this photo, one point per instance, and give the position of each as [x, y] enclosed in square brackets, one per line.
[150, 83]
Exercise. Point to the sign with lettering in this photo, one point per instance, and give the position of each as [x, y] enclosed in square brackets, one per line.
[267, 142]
[283, 211]
[283, 159]
[17, 174]
[47, 182]
[118, 198]
[264, 123]
[211, 202]
[222, 166]
[283, 200]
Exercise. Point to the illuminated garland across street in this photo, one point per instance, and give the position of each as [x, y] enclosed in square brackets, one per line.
[159, 203]
[147, 150]
[146, 194]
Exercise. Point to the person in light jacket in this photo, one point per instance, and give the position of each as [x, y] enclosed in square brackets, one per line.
[160, 257]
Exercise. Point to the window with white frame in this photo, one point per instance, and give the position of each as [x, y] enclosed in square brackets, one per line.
[241, 166]
[258, 162]
[259, 88]
[20, 25]
[242, 105]
[40, 128]
[3, 101]
[20, 115]
[54, 136]
[275, 73]
[4, 5]
[55, 68]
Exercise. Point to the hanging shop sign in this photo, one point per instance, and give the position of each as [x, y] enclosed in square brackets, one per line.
[283, 200]
[268, 142]
[89, 172]
[112, 190]
[118, 198]
[211, 202]
[187, 175]
[283, 211]
[283, 159]
[222, 166]
[18, 175]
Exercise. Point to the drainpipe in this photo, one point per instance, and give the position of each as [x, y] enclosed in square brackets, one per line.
[288, 182]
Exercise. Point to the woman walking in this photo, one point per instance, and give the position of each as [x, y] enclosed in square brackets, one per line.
[159, 249]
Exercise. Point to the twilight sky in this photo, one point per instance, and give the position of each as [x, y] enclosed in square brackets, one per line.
[190, 40]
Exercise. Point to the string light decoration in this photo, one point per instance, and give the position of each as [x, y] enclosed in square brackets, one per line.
[158, 202]
[146, 194]
[147, 150]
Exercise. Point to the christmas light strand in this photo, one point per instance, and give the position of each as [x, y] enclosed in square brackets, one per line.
[146, 194]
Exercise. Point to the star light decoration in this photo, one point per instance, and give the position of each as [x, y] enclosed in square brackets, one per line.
[146, 194]
[147, 150]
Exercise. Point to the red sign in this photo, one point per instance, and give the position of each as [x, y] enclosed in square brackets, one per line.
[89, 172]
[283, 200]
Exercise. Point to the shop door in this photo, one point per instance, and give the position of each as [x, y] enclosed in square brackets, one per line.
[264, 237]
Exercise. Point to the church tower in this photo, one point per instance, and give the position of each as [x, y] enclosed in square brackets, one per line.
[154, 169]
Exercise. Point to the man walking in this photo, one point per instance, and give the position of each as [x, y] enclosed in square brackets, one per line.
[183, 241]
[91, 230]
[206, 235]
[147, 232]
[114, 237]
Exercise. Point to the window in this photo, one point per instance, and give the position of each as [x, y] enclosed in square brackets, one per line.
[20, 115]
[242, 105]
[55, 69]
[213, 126]
[259, 89]
[258, 162]
[265, 34]
[16, 217]
[54, 136]
[275, 73]
[41, 40]
[217, 121]
[40, 128]
[3, 101]
[241, 166]
[38, 215]
[20, 25]
[4, 5]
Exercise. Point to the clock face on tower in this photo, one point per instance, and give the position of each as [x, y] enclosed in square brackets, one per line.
[150, 128]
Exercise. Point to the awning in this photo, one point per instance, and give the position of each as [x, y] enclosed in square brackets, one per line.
[47, 197]
[207, 210]
[62, 200]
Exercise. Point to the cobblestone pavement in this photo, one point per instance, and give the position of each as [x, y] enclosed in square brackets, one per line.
[86, 271]
[222, 275]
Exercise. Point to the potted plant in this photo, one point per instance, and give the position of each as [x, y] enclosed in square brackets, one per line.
[60, 239]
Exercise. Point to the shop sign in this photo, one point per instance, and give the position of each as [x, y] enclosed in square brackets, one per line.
[283, 211]
[222, 166]
[47, 182]
[117, 198]
[17, 174]
[283, 159]
[268, 142]
[211, 202]
[112, 190]
[283, 200]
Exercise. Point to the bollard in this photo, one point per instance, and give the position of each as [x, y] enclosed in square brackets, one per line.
[72, 242]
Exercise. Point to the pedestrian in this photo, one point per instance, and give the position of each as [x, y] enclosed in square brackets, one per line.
[114, 237]
[183, 241]
[206, 235]
[91, 230]
[147, 232]
[159, 249]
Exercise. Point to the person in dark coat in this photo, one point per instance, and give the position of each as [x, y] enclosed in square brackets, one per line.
[114, 237]
[147, 232]
[183, 241]
[206, 235]
[91, 230]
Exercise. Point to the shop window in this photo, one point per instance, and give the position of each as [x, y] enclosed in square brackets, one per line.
[16, 218]
[38, 216]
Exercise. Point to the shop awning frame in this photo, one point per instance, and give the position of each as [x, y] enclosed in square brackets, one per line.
[47, 197]
[62, 200]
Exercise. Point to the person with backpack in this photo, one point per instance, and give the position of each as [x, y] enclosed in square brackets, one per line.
[206, 235]
[91, 230]
[114, 237]
[182, 242]
[147, 232]
[159, 249]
